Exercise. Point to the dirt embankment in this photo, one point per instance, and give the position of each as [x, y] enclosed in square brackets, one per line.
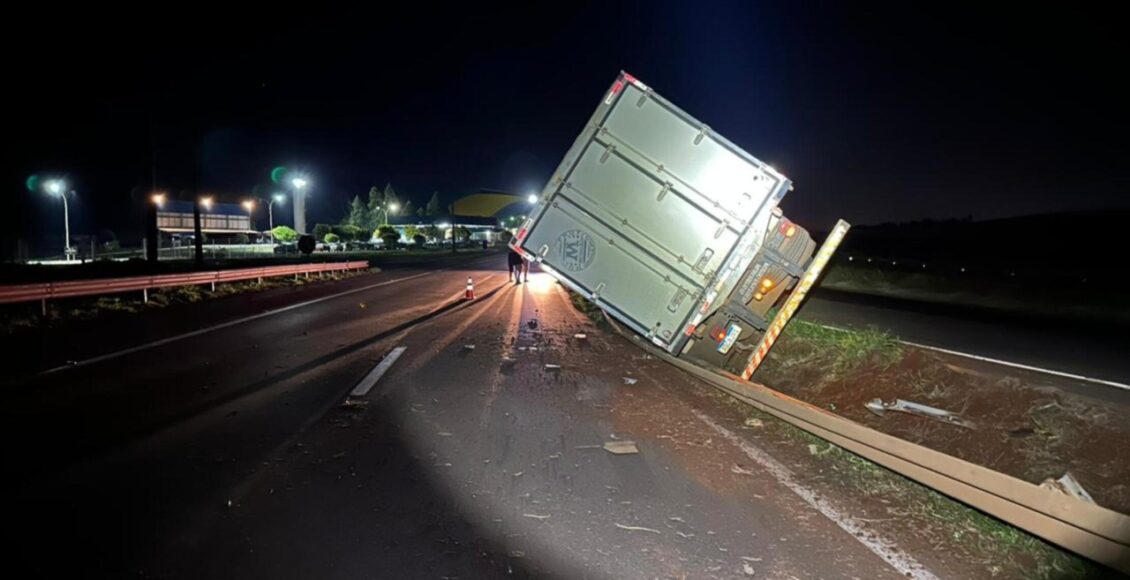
[1026, 425]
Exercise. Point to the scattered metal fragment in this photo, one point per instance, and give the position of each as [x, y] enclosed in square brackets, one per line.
[638, 529]
[444, 434]
[552, 367]
[747, 569]
[536, 516]
[1069, 485]
[519, 474]
[580, 336]
[878, 407]
[630, 381]
[621, 447]
[468, 347]
[753, 422]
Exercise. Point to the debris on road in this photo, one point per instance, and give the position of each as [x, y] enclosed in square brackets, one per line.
[630, 381]
[638, 529]
[536, 516]
[444, 434]
[878, 407]
[354, 404]
[739, 470]
[754, 422]
[580, 336]
[621, 447]
[1067, 484]
[532, 323]
[468, 347]
[747, 569]
[552, 367]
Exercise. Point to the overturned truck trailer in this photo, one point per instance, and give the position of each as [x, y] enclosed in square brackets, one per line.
[674, 231]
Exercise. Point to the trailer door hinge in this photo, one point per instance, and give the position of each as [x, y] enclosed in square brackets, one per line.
[677, 300]
[702, 260]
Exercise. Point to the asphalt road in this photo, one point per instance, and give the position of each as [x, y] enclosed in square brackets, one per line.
[231, 453]
[1085, 349]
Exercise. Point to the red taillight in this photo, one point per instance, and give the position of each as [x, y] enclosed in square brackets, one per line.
[788, 228]
[616, 88]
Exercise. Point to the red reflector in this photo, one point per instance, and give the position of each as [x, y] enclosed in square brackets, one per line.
[630, 78]
[690, 329]
[617, 87]
[521, 234]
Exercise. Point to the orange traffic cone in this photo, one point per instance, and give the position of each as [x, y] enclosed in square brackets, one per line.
[470, 293]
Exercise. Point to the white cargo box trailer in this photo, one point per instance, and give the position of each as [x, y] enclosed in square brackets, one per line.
[669, 227]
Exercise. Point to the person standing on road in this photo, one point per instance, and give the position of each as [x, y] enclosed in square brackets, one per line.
[514, 260]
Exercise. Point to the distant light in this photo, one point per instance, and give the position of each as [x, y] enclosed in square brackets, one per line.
[158, 199]
[394, 207]
[963, 269]
[443, 226]
[298, 183]
[532, 198]
[248, 204]
[55, 186]
[206, 202]
[279, 198]
[850, 258]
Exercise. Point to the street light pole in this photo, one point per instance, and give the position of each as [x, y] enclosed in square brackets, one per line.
[67, 230]
[57, 187]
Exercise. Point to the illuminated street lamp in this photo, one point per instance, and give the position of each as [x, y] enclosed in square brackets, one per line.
[158, 199]
[386, 208]
[532, 198]
[276, 198]
[249, 205]
[59, 187]
[206, 202]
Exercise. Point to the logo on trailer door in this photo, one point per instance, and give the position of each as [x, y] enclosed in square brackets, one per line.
[575, 250]
[732, 334]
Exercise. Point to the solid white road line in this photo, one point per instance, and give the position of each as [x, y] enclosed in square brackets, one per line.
[882, 547]
[1019, 365]
[375, 375]
[996, 361]
[237, 321]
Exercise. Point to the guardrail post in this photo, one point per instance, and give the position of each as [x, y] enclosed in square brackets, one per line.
[145, 295]
[43, 308]
[213, 285]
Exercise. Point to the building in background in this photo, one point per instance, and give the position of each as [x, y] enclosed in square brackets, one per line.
[221, 223]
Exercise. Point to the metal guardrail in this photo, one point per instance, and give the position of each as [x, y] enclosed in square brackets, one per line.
[15, 293]
[1087, 529]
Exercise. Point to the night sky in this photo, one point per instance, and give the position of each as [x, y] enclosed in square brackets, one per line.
[877, 112]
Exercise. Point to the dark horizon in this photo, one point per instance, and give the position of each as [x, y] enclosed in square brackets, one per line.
[878, 114]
